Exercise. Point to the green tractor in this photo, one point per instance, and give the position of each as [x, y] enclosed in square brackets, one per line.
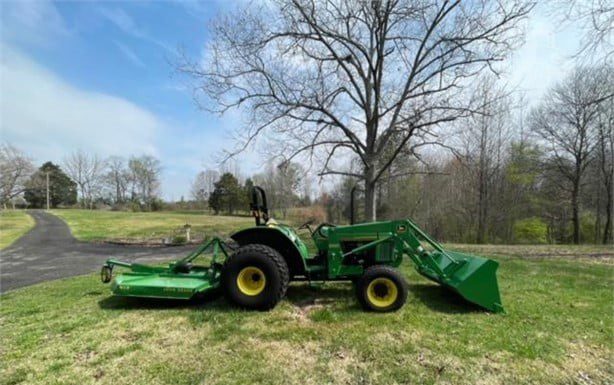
[254, 271]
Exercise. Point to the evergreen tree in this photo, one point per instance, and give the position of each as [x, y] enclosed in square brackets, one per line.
[62, 190]
[227, 194]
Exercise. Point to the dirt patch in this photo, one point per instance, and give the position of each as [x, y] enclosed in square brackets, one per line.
[295, 360]
[345, 368]
[85, 356]
[303, 308]
[588, 364]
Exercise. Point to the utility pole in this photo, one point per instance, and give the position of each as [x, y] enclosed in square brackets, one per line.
[47, 190]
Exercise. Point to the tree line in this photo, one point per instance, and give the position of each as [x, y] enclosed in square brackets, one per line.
[515, 174]
[82, 179]
[225, 192]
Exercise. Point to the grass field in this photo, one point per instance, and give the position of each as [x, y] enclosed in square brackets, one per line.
[558, 330]
[13, 224]
[90, 225]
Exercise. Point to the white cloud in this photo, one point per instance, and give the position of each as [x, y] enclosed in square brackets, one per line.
[32, 22]
[48, 118]
[126, 23]
[545, 57]
[130, 54]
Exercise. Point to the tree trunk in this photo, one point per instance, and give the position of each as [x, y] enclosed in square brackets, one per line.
[575, 211]
[370, 203]
[482, 204]
[370, 192]
[118, 197]
[607, 231]
[482, 212]
[370, 195]
[598, 214]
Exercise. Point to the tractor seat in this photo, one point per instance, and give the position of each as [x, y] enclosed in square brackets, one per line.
[182, 267]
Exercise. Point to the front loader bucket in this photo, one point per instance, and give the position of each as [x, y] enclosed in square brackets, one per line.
[473, 278]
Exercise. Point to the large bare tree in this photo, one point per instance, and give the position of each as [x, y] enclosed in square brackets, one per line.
[340, 79]
[567, 121]
[15, 169]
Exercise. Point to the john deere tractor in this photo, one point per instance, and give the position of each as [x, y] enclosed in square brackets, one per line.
[255, 270]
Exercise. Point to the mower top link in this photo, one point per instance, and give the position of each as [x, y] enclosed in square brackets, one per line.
[255, 274]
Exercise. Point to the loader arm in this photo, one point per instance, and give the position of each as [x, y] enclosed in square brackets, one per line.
[473, 277]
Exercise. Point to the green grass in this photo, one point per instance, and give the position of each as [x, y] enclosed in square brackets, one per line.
[96, 225]
[13, 224]
[558, 330]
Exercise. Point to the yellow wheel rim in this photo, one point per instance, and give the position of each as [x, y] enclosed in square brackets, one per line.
[251, 281]
[382, 292]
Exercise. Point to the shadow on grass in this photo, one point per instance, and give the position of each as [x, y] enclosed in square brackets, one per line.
[297, 294]
[210, 302]
[443, 300]
[338, 297]
[435, 297]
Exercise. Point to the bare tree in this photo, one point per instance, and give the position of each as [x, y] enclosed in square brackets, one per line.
[203, 185]
[595, 18]
[289, 179]
[87, 172]
[15, 169]
[145, 178]
[605, 156]
[352, 78]
[484, 138]
[567, 121]
[117, 178]
[283, 185]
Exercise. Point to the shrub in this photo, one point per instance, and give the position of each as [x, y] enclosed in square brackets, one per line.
[531, 230]
[300, 215]
[179, 240]
[587, 228]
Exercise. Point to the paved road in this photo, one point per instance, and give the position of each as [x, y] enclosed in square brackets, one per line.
[49, 251]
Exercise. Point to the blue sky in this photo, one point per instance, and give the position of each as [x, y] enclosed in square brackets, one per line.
[96, 76]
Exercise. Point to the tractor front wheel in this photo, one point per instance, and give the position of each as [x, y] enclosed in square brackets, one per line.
[382, 289]
[255, 277]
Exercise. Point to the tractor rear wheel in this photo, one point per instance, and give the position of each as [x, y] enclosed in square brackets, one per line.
[255, 277]
[382, 289]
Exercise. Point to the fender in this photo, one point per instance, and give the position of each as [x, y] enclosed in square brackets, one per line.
[281, 238]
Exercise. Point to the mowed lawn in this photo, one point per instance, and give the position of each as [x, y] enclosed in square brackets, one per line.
[13, 224]
[558, 330]
[96, 225]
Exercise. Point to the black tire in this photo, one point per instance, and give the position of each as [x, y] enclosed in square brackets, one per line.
[267, 262]
[382, 277]
[231, 245]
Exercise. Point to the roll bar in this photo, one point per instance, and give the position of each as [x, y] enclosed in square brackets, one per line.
[258, 205]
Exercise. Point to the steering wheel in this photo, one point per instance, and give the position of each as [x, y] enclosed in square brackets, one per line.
[318, 229]
[306, 225]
